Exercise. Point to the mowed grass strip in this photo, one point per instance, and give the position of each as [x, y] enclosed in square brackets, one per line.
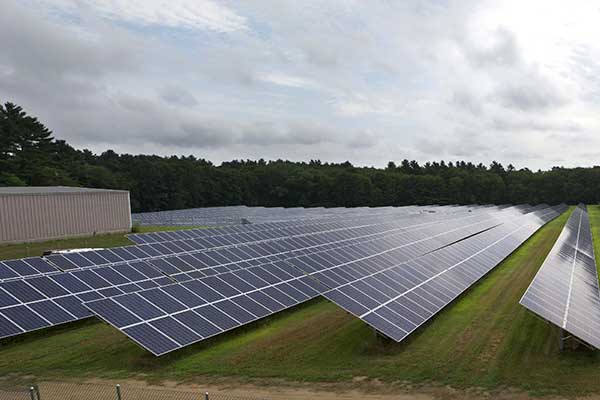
[484, 339]
[594, 213]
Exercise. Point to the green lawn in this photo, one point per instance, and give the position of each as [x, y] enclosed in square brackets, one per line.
[594, 213]
[35, 249]
[484, 339]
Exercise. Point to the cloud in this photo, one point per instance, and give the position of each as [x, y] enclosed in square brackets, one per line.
[177, 95]
[529, 96]
[467, 101]
[188, 14]
[521, 125]
[367, 82]
[288, 80]
[500, 49]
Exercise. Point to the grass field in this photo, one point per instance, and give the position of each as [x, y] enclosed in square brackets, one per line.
[485, 339]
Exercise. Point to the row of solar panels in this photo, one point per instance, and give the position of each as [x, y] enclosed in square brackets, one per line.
[220, 216]
[235, 215]
[179, 242]
[373, 275]
[223, 216]
[155, 237]
[153, 245]
[565, 290]
[38, 301]
[263, 289]
[379, 215]
[218, 293]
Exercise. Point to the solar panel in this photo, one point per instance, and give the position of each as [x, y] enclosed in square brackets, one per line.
[371, 215]
[57, 298]
[62, 293]
[116, 255]
[77, 285]
[565, 289]
[397, 300]
[236, 215]
[235, 299]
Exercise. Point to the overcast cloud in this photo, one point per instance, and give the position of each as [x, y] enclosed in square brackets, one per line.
[340, 80]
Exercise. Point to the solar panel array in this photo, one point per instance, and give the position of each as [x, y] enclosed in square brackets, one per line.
[235, 215]
[163, 321]
[399, 299]
[565, 289]
[53, 292]
[245, 295]
[372, 217]
[176, 288]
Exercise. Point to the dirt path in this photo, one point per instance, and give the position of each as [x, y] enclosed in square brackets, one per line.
[231, 390]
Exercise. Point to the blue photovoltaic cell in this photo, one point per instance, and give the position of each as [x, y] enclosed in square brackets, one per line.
[7, 300]
[40, 265]
[111, 276]
[62, 262]
[6, 272]
[139, 306]
[165, 302]
[78, 260]
[47, 286]
[51, 311]
[217, 317]
[198, 324]
[151, 339]
[89, 296]
[70, 282]
[235, 311]
[113, 312]
[184, 295]
[7, 328]
[108, 255]
[96, 258]
[92, 279]
[21, 267]
[110, 292]
[73, 306]
[24, 317]
[203, 291]
[21, 291]
[175, 330]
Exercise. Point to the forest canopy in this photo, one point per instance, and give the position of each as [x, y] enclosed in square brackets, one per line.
[30, 155]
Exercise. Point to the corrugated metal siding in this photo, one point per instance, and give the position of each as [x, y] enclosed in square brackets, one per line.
[58, 215]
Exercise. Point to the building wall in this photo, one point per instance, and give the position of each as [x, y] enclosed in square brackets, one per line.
[35, 217]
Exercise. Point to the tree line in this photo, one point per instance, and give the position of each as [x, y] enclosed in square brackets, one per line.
[29, 155]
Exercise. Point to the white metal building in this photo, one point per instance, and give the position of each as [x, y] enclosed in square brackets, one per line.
[42, 213]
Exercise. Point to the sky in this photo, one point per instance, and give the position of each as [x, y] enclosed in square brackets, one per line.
[364, 81]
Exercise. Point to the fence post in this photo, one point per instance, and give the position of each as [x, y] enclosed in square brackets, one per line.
[37, 392]
[118, 391]
[32, 392]
[206, 396]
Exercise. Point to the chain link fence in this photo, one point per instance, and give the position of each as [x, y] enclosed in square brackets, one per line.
[67, 391]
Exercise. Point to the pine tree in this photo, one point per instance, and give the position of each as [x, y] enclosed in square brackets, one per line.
[25, 143]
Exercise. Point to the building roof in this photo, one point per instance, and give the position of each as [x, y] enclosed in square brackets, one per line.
[20, 190]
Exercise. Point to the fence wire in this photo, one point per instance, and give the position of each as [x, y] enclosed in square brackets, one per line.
[68, 391]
